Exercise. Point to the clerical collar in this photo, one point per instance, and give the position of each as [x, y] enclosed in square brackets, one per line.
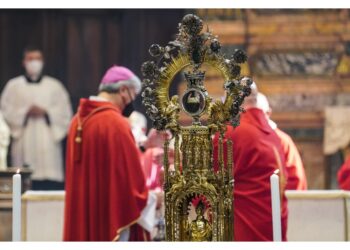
[272, 124]
[98, 98]
[29, 80]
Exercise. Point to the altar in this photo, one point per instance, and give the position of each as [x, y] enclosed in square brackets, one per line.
[314, 215]
[42, 215]
[318, 215]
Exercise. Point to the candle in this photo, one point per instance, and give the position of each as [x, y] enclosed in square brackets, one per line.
[276, 207]
[16, 206]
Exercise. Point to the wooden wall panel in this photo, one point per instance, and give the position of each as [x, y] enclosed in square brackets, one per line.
[314, 162]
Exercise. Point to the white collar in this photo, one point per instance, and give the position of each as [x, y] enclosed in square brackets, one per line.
[97, 98]
[272, 124]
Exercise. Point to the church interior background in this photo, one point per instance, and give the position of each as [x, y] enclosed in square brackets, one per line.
[299, 58]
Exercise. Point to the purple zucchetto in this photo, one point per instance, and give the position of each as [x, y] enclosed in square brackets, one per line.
[118, 76]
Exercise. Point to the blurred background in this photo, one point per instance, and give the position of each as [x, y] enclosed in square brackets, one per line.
[299, 58]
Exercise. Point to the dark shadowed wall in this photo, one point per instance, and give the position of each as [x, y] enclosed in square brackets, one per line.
[79, 45]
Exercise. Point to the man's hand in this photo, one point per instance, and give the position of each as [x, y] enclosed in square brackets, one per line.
[36, 112]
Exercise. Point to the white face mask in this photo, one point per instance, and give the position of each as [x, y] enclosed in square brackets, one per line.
[34, 68]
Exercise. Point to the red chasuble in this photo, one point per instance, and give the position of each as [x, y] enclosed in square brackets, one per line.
[105, 186]
[344, 175]
[257, 153]
[294, 165]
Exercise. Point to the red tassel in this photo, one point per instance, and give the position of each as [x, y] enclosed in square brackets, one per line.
[78, 141]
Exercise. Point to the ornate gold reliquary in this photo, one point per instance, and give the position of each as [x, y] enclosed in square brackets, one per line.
[198, 199]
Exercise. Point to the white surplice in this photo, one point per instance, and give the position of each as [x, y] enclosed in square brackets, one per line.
[4, 142]
[37, 143]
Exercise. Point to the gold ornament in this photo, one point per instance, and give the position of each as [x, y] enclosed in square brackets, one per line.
[193, 179]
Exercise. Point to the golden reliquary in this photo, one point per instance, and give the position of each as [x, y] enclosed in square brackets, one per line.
[198, 199]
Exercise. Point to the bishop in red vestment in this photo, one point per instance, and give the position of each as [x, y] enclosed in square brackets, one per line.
[294, 164]
[257, 153]
[105, 188]
[344, 175]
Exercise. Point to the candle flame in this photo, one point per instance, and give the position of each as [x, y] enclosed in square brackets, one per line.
[18, 170]
[277, 171]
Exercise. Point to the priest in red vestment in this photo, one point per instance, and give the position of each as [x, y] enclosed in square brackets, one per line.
[294, 164]
[344, 175]
[257, 153]
[106, 194]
